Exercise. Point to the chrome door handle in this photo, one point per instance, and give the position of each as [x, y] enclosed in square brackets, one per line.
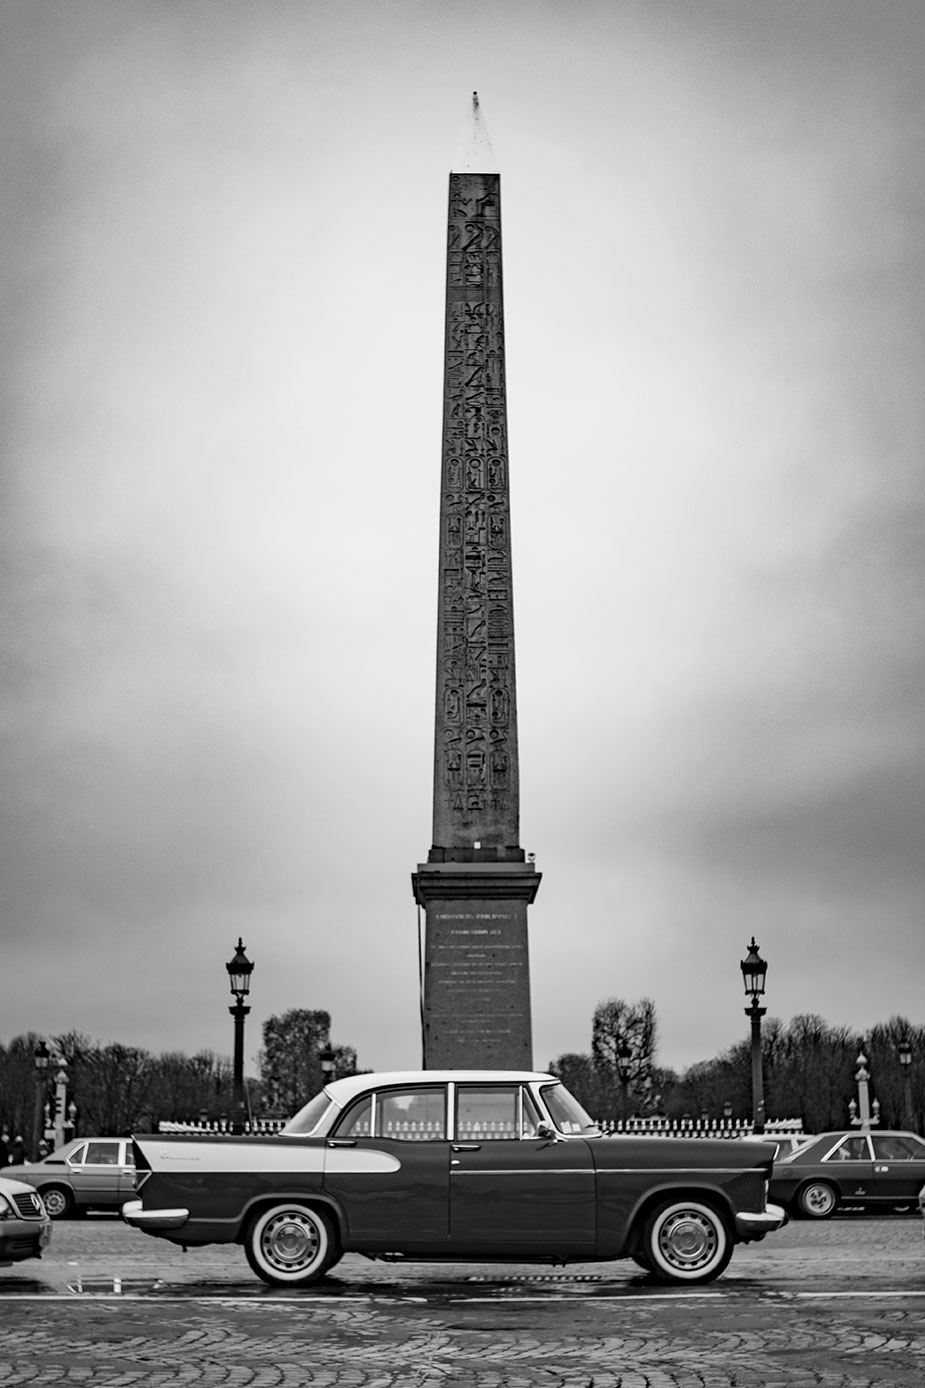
[467, 1146]
[342, 1142]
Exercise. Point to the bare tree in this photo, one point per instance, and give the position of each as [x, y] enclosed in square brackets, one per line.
[623, 1045]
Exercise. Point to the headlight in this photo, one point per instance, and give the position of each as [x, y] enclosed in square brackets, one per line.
[6, 1209]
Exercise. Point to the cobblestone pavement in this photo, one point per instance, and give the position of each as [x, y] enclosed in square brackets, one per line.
[839, 1305]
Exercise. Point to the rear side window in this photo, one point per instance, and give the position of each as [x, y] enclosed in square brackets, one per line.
[102, 1154]
[357, 1121]
[405, 1115]
[852, 1149]
[412, 1115]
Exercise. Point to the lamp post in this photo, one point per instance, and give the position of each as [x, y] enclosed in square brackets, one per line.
[624, 1057]
[60, 1101]
[905, 1063]
[239, 969]
[40, 1060]
[754, 970]
[328, 1068]
[864, 1114]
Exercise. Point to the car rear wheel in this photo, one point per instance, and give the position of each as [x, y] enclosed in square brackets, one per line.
[686, 1241]
[291, 1244]
[817, 1200]
[58, 1201]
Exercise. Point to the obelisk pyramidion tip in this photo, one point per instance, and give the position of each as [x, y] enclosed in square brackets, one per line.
[474, 153]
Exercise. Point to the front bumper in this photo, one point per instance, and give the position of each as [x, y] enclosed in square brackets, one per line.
[750, 1226]
[152, 1221]
[23, 1240]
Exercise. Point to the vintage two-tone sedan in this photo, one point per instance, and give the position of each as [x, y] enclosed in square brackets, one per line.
[454, 1165]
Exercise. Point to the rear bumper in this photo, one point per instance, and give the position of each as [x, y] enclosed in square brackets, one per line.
[152, 1221]
[750, 1226]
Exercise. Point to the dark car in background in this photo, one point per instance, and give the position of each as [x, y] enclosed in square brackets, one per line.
[454, 1165]
[25, 1229]
[873, 1170]
[88, 1173]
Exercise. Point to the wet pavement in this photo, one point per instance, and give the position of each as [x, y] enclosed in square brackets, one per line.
[839, 1304]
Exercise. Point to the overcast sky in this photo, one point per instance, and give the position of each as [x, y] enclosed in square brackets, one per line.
[222, 271]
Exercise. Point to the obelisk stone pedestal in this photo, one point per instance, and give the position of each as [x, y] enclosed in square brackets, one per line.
[476, 964]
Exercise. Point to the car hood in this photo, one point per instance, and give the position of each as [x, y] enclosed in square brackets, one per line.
[10, 1182]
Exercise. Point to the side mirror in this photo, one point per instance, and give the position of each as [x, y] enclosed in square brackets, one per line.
[546, 1131]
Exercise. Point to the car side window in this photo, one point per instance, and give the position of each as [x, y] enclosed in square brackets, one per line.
[851, 1149]
[412, 1115]
[102, 1154]
[897, 1148]
[78, 1156]
[487, 1113]
[357, 1121]
[531, 1115]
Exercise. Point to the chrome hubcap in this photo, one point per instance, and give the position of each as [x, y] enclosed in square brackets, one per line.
[290, 1241]
[687, 1240]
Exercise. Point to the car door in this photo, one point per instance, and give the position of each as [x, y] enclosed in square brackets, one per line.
[387, 1168]
[850, 1164]
[899, 1168]
[510, 1189]
[97, 1172]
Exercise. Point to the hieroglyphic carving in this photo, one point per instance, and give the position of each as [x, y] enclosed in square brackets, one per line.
[475, 782]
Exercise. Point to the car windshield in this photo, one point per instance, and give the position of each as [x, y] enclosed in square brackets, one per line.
[303, 1123]
[566, 1112]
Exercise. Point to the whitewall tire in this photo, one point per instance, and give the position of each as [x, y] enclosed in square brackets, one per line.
[291, 1244]
[686, 1241]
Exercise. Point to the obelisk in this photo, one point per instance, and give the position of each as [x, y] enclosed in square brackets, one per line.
[476, 885]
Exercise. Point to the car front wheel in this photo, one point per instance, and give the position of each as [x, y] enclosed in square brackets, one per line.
[686, 1241]
[291, 1244]
[58, 1201]
[817, 1200]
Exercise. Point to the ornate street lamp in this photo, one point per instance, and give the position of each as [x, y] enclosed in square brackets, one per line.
[60, 1101]
[40, 1060]
[754, 970]
[624, 1057]
[863, 1113]
[328, 1069]
[904, 1050]
[239, 969]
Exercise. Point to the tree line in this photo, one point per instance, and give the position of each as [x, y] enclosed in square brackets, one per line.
[809, 1074]
[119, 1089]
[809, 1069]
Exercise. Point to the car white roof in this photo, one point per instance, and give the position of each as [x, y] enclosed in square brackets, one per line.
[343, 1090]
